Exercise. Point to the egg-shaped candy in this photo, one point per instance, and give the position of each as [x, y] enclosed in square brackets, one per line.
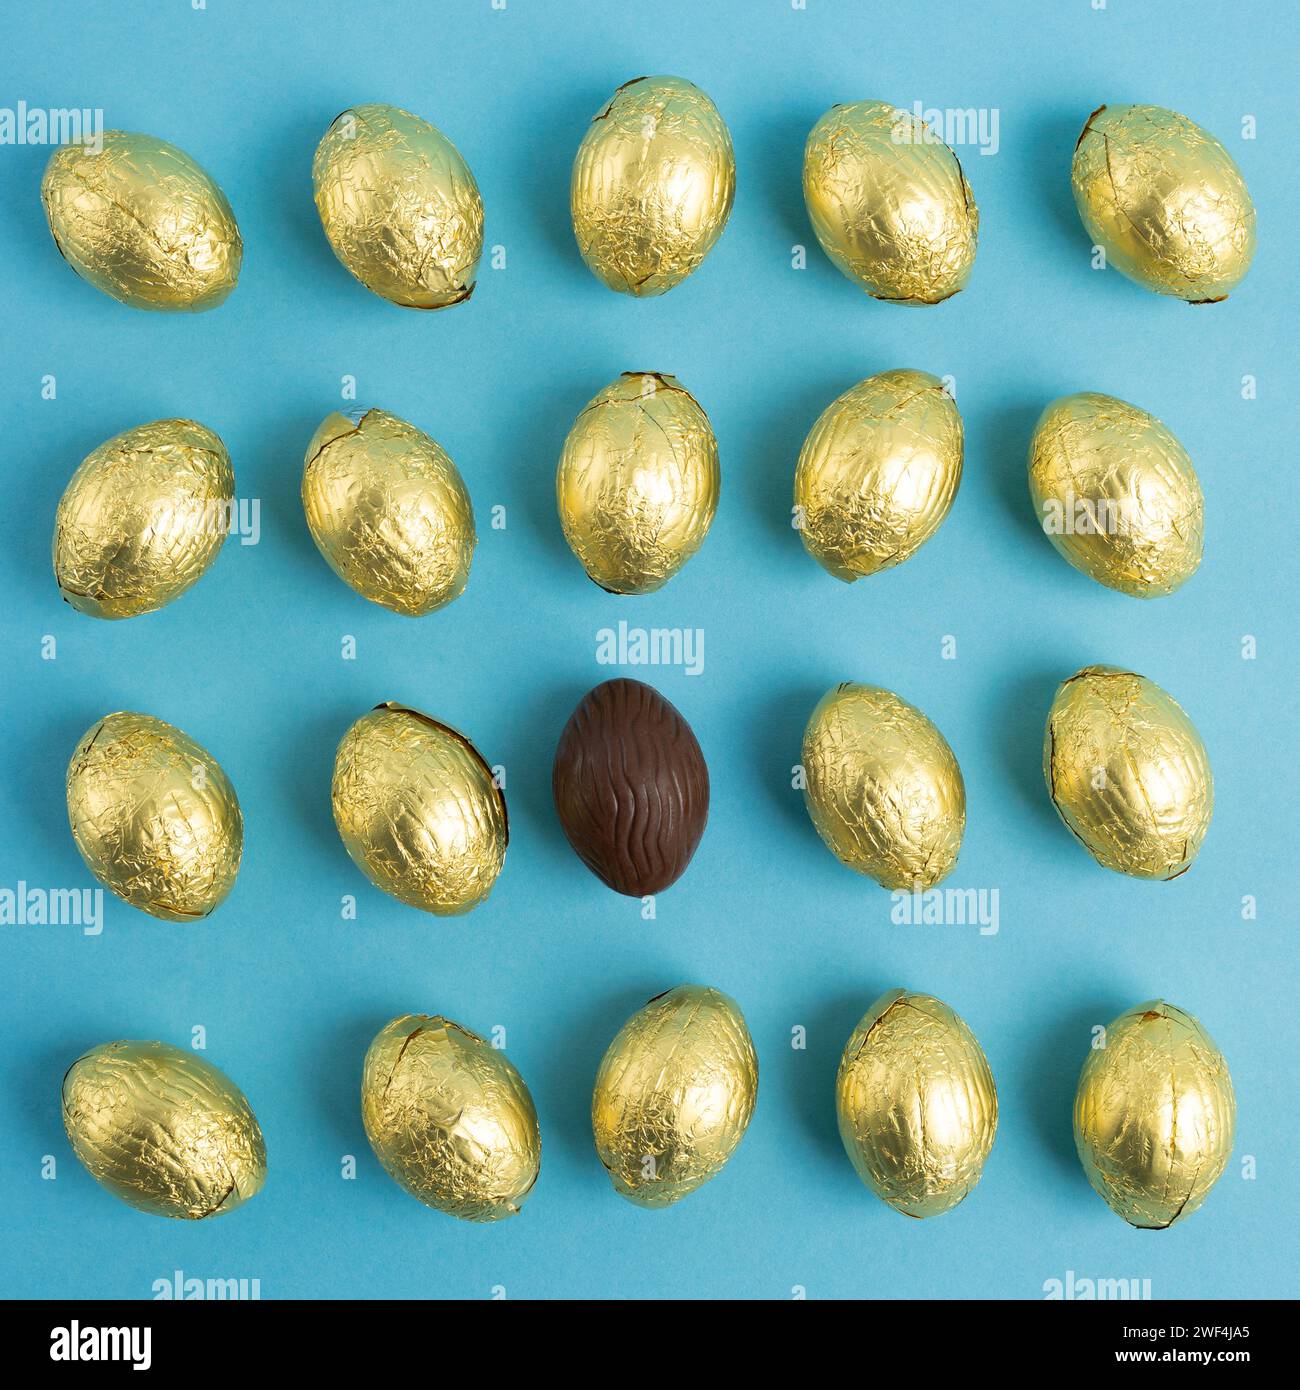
[450, 1118]
[389, 511]
[154, 816]
[400, 206]
[674, 1095]
[141, 221]
[419, 810]
[163, 1129]
[653, 184]
[1128, 772]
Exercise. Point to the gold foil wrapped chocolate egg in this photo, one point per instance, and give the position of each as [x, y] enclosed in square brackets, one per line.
[419, 811]
[1116, 494]
[882, 787]
[1154, 1115]
[450, 1119]
[154, 816]
[638, 482]
[163, 1129]
[878, 473]
[889, 203]
[916, 1102]
[1128, 772]
[142, 222]
[653, 184]
[674, 1095]
[142, 519]
[400, 206]
[389, 511]
[1165, 201]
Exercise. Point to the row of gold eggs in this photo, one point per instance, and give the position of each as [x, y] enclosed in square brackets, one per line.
[453, 1123]
[653, 184]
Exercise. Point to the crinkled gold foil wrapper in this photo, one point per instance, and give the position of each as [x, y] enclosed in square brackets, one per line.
[163, 1130]
[878, 473]
[674, 1095]
[154, 816]
[389, 511]
[1155, 1115]
[142, 222]
[400, 206]
[142, 519]
[917, 1107]
[1165, 201]
[450, 1119]
[638, 481]
[883, 787]
[653, 184]
[889, 203]
[1116, 494]
[1128, 772]
[417, 809]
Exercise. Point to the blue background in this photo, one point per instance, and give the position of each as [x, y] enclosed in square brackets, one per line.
[249, 662]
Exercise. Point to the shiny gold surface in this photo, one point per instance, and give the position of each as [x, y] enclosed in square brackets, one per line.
[163, 1130]
[400, 206]
[883, 787]
[417, 809]
[653, 184]
[1116, 494]
[1165, 201]
[142, 222]
[1128, 772]
[142, 519]
[1154, 1115]
[154, 816]
[916, 1102]
[878, 473]
[889, 203]
[450, 1119]
[638, 482]
[674, 1095]
[389, 511]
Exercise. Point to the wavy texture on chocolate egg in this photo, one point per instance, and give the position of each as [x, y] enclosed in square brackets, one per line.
[631, 787]
[142, 222]
[400, 206]
[653, 184]
[450, 1118]
[142, 519]
[1116, 494]
[674, 1095]
[1165, 201]
[1155, 1115]
[878, 473]
[637, 486]
[1128, 773]
[163, 1130]
[154, 816]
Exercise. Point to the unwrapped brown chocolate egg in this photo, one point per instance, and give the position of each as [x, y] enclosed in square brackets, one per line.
[1128, 772]
[389, 511]
[882, 787]
[1155, 1115]
[878, 473]
[163, 1130]
[653, 184]
[154, 816]
[674, 1095]
[916, 1102]
[631, 787]
[400, 206]
[419, 810]
[450, 1119]
[638, 481]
